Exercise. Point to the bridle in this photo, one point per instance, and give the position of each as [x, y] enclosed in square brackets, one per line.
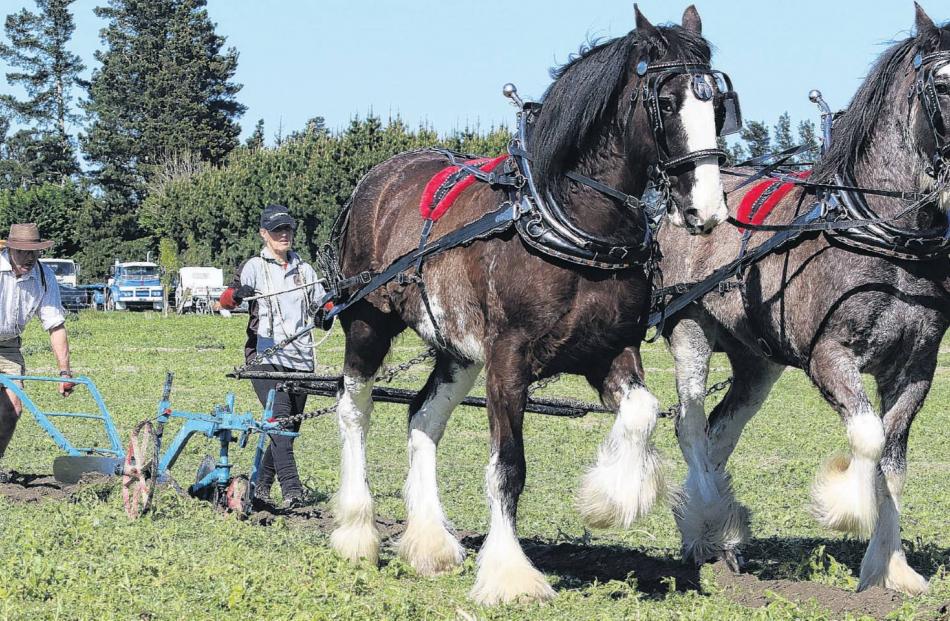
[925, 88]
[725, 100]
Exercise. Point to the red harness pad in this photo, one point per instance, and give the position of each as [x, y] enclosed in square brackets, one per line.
[436, 211]
[759, 202]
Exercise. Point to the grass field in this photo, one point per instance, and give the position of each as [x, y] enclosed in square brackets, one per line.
[77, 555]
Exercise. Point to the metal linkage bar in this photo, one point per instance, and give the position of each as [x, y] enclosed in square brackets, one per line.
[328, 387]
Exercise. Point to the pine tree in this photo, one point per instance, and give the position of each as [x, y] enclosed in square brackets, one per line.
[783, 133]
[734, 154]
[807, 135]
[48, 73]
[756, 136]
[163, 88]
[256, 140]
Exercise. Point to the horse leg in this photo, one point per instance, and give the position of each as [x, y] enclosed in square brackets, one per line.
[844, 492]
[884, 563]
[427, 543]
[713, 523]
[627, 479]
[504, 572]
[369, 334]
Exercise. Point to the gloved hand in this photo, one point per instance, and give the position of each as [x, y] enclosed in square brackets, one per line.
[320, 315]
[244, 291]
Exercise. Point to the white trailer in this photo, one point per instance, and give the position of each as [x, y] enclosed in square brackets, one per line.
[199, 290]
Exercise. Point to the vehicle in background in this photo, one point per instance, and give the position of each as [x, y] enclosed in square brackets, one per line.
[134, 285]
[75, 299]
[65, 270]
[198, 290]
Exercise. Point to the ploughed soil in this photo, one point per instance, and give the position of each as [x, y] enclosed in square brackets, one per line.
[575, 564]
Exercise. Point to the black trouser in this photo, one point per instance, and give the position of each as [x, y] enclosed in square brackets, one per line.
[279, 456]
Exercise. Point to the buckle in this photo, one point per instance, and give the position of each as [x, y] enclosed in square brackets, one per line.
[365, 277]
[620, 257]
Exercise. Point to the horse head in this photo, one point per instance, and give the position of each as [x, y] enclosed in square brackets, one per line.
[685, 106]
[930, 103]
[642, 108]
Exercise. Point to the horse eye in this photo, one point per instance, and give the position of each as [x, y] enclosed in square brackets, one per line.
[942, 88]
[666, 105]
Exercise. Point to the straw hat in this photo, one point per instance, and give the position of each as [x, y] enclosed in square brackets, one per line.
[26, 237]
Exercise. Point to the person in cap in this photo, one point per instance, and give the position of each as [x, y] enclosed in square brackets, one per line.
[27, 289]
[284, 288]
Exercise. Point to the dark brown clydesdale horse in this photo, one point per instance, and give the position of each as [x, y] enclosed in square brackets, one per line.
[522, 315]
[832, 310]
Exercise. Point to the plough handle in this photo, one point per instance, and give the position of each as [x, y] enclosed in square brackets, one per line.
[167, 388]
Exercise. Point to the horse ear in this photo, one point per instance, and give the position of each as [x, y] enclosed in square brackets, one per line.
[926, 29]
[643, 24]
[691, 20]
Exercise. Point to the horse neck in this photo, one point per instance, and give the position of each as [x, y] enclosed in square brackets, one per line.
[605, 161]
[890, 161]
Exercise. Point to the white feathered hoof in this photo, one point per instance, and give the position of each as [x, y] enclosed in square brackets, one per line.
[893, 573]
[355, 536]
[621, 488]
[712, 531]
[507, 580]
[430, 548]
[845, 497]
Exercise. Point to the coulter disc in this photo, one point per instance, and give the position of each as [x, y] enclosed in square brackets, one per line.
[140, 470]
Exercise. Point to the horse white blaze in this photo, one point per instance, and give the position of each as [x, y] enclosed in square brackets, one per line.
[355, 535]
[845, 491]
[706, 197]
[884, 563]
[504, 572]
[427, 543]
[627, 479]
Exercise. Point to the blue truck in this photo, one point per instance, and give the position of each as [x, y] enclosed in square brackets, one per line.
[134, 285]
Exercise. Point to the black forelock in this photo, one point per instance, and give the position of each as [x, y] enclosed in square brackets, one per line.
[587, 85]
[854, 128]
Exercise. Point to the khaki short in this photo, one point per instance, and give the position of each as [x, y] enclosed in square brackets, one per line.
[11, 359]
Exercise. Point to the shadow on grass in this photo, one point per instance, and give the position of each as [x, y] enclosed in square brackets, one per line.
[786, 558]
[578, 565]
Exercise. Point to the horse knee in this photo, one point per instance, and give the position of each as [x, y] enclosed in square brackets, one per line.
[866, 436]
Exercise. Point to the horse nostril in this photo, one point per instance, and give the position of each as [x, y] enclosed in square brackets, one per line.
[691, 214]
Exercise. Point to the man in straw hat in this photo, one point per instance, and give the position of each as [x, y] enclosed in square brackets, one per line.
[27, 289]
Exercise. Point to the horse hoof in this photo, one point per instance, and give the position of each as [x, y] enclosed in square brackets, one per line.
[514, 584]
[356, 542]
[897, 576]
[430, 549]
[733, 561]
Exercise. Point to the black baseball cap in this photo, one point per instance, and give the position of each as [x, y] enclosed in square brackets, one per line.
[276, 216]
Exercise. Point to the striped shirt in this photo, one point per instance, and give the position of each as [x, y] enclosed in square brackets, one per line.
[28, 296]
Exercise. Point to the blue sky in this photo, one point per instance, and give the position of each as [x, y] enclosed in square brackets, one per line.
[444, 63]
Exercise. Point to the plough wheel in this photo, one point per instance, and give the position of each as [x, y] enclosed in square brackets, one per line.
[140, 471]
[238, 495]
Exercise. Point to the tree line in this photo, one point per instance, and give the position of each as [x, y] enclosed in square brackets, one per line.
[162, 168]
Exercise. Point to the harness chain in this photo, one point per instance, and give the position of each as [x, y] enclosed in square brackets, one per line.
[673, 410]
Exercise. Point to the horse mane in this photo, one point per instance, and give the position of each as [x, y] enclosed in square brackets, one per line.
[585, 87]
[854, 128]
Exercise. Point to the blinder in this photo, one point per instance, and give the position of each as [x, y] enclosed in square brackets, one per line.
[727, 106]
[725, 99]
